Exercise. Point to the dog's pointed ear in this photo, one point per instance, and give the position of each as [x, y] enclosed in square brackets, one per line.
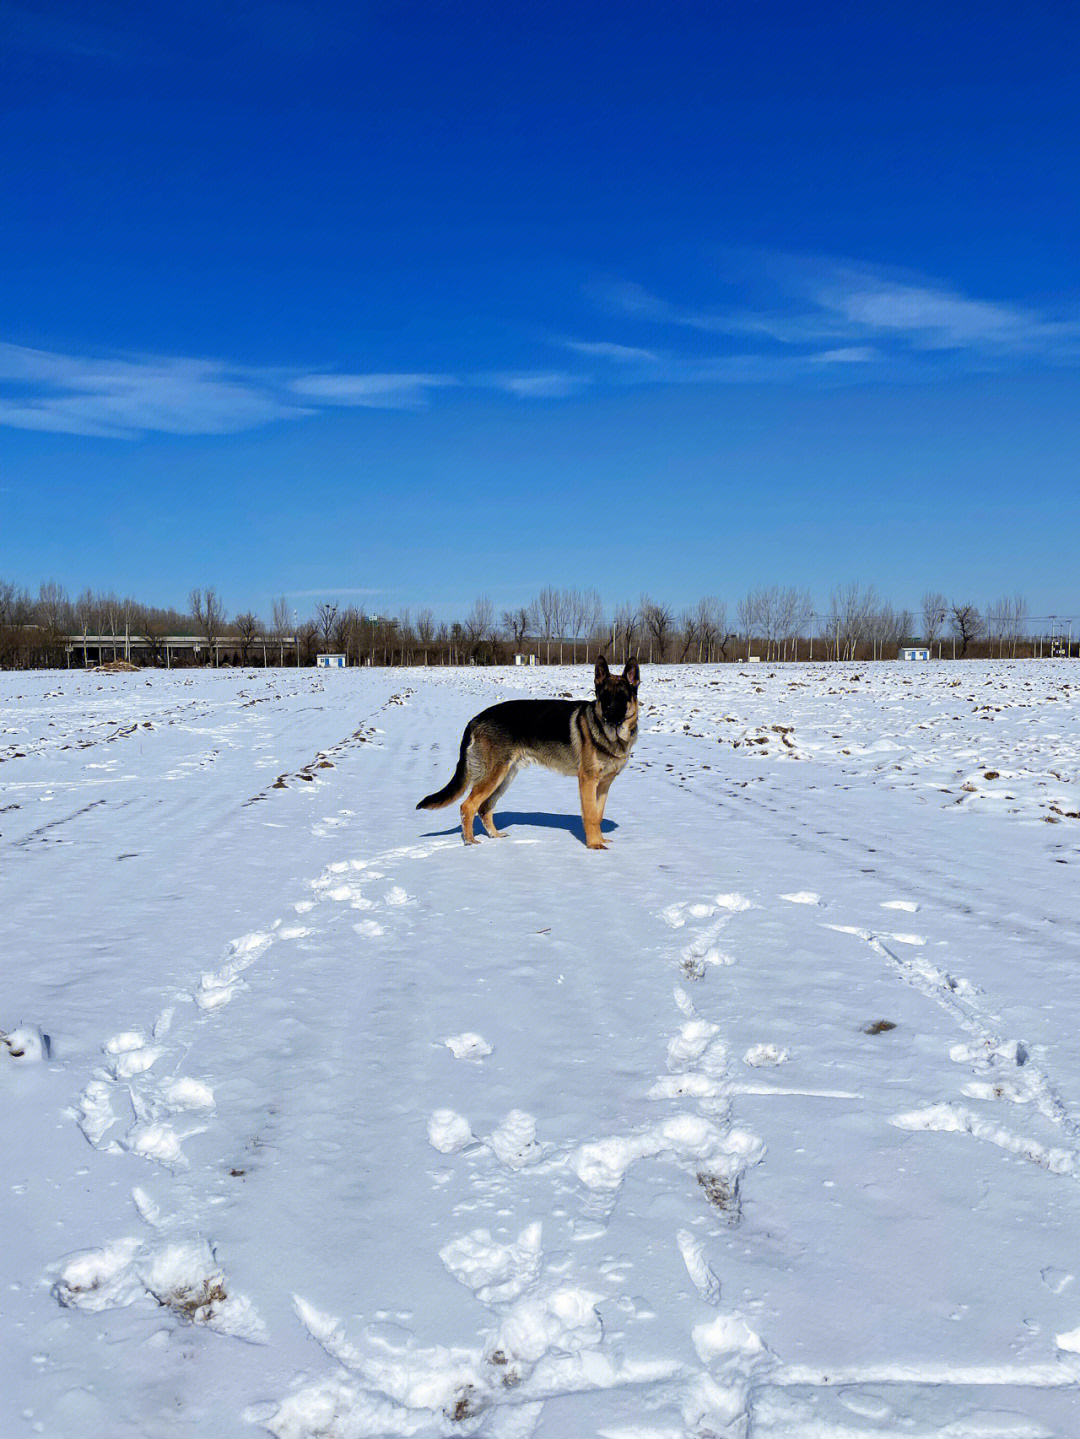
[631, 673]
[601, 672]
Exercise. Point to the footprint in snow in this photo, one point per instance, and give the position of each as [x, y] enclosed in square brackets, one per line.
[129, 1054]
[217, 987]
[93, 1113]
[495, 1272]
[702, 951]
[183, 1277]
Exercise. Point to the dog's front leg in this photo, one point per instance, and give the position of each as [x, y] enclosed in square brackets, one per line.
[602, 793]
[590, 814]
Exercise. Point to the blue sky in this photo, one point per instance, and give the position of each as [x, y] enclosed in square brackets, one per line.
[408, 303]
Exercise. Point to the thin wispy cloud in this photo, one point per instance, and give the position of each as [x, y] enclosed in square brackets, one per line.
[373, 391]
[933, 317]
[607, 350]
[846, 355]
[812, 319]
[554, 385]
[859, 313]
[125, 398]
[71, 394]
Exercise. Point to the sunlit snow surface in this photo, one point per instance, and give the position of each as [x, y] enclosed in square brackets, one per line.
[765, 1121]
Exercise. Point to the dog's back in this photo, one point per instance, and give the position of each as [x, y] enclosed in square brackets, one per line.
[514, 733]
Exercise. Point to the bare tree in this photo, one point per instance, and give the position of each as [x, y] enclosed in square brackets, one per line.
[658, 623]
[625, 629]
[559, 618]
[905, 625]
[307, 642]
[480, 623]
[885, 628]
[209, 615]
[247, 627]
[281, 626]
[516, 625]
[711, 622]
[769, 618]
[408, 636]
[87, 615]
[425, 631]
[997, 623]
[796, 612]
[934, 609]
[850, 609]
[153, 628]
[966, 623]
[54, 619]
[325, 615]
[54, 608]
[591, 615]
[689, 633]
[546, 607]
[1005, 618]
[747, 611]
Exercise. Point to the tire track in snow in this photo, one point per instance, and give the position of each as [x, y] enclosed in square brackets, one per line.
[140, 1083]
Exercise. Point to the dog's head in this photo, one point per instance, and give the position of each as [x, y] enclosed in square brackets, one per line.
[616, 695]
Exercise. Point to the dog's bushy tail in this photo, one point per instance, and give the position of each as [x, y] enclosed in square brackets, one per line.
[458, 784]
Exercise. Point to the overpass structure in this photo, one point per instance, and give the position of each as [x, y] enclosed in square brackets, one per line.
[90, 649]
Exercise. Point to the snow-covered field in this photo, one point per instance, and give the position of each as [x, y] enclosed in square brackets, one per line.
[766, 1121]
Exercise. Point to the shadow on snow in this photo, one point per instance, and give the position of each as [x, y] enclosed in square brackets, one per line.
[572, 823]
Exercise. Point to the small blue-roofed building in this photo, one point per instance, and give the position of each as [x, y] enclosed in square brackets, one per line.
[914, 652]
[330, 662]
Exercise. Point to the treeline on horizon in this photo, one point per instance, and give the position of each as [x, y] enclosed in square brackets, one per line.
[560, 626]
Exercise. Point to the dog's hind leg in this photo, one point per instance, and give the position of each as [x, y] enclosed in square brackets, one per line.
[486, 812]
[482, 790]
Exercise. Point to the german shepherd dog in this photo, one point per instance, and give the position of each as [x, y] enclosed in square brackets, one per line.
[588, 738]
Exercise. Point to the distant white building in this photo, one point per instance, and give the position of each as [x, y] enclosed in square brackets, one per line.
[524, 659]
[330, 662]
[914, 652]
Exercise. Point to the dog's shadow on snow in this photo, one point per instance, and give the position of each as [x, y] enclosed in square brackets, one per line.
[507, 819]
